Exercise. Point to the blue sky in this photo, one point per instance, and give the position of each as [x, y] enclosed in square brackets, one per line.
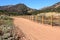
[36, 4]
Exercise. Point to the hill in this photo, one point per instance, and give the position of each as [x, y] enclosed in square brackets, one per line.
[22, 9]
[18, 9]
[53, 8]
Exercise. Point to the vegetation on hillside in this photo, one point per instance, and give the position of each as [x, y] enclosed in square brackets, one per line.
[18, 9]
[7, 29]
[22, 9]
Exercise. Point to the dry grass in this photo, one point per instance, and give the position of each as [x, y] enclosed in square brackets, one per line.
[1, 22]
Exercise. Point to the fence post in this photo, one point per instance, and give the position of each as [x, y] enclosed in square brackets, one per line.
[28, 17]
[31, 17]
[42, 19]
[34, 18]
[51, 20]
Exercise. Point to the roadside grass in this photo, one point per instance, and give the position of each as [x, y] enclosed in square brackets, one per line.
[7, 29]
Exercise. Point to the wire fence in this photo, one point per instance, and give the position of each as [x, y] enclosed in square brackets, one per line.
[54, 21]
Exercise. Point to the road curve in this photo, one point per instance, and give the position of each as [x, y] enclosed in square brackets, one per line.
[35, 31]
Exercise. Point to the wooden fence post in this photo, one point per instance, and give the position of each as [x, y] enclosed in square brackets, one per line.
[31, 17]
[34, 18]
[51, 20]
[28, 17]
[42, 19]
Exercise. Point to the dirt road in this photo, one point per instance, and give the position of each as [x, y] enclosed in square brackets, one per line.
[35, 31]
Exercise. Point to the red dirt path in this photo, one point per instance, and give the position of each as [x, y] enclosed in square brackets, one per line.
[35, 31]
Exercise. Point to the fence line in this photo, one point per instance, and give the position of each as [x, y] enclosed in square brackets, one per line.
[41, 19]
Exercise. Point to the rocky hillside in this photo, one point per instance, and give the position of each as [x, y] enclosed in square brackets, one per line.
[18, 8]
[53, 8]
[22, 9]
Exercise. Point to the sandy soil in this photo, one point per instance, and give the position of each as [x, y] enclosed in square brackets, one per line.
[35, 31]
